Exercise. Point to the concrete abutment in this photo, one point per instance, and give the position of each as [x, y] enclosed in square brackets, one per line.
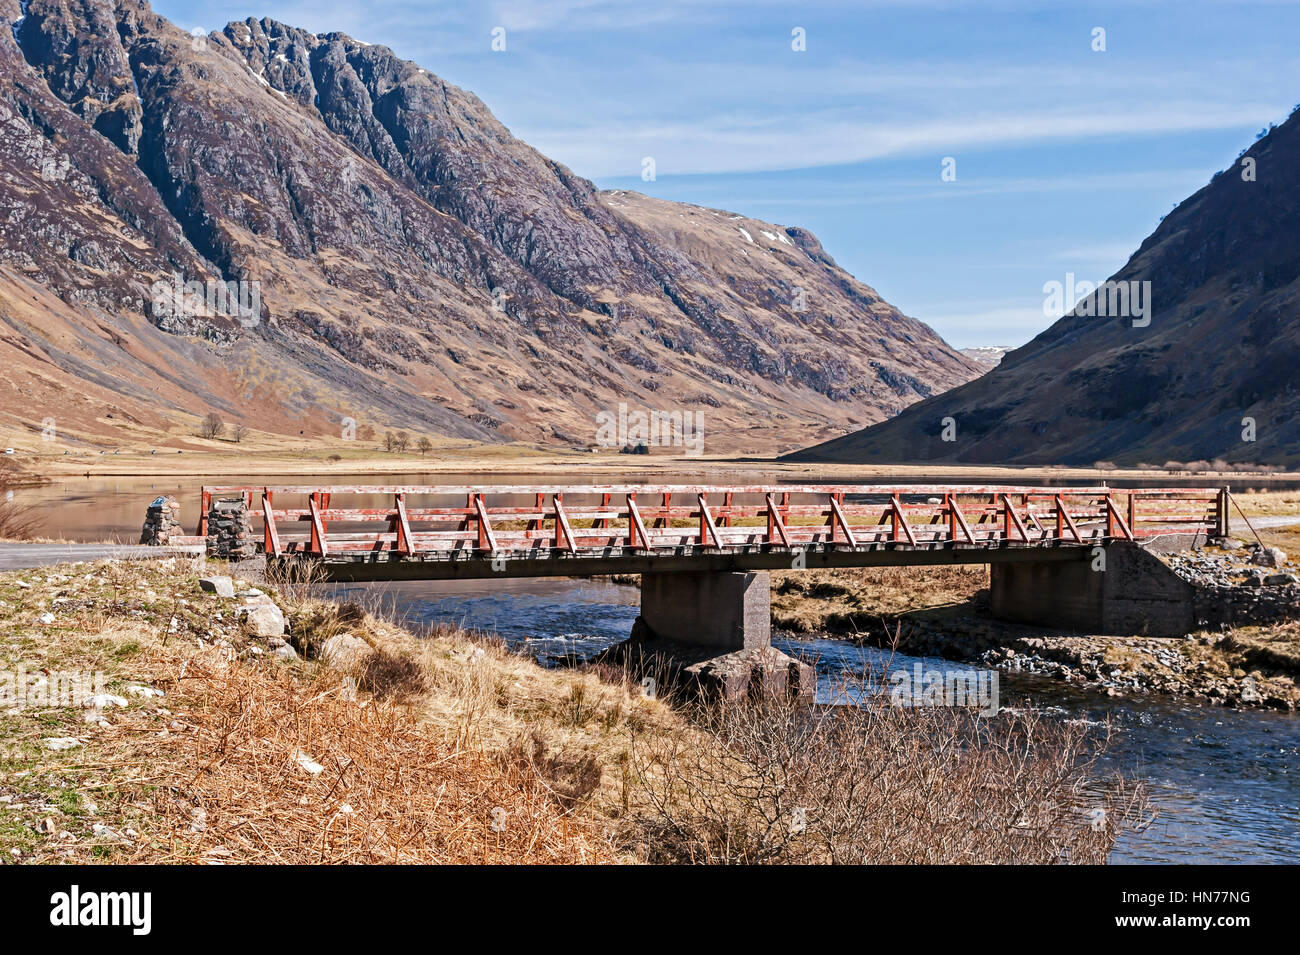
[1131, 592]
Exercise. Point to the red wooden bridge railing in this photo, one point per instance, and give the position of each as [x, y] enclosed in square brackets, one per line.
[420, 520]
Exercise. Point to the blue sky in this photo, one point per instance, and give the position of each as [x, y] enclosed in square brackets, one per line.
[1065, 157]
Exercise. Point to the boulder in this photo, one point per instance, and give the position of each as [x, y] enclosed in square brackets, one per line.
[263, 619]
[755, 672]
[1269, 557]
[221, 586]
[345, 650]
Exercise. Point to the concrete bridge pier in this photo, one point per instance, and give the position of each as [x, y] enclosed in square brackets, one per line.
[1129, 592]
[711, 632]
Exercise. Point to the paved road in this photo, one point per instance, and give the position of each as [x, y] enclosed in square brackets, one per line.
[1286, 520]
[22, 556]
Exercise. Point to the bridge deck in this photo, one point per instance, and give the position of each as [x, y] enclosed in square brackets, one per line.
[442, 532]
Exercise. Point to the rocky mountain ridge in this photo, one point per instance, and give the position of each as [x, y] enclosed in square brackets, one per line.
[413, 264]
[1210, 371]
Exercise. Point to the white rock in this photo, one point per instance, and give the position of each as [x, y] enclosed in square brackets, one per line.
[1270, 557]
[62, 742]
[144, 691]
[102, 831]
[264, 620]
[285, 652]
[308, 764]
[221, 586]
[46, 618]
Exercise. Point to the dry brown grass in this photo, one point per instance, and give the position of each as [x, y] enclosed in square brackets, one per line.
[1272, 649]
[444, 750]
[451, 749]
[1267, 503]
[388, 790]
[855, 600]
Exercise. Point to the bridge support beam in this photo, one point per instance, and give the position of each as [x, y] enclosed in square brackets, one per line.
[722, 612]
[1118, 590]
[711, 633]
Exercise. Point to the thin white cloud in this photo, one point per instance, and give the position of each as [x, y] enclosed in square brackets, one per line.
[796, 141]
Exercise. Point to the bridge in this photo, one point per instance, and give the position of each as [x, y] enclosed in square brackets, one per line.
[1069, 557]
[464, 532]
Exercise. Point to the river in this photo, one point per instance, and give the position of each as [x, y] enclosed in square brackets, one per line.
[1225, 782]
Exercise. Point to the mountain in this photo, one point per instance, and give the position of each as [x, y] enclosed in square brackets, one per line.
[1214, 362]
[989, 355]
[405, 260]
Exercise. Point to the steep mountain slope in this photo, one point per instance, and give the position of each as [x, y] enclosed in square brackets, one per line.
[1222, 346]
[413, 263]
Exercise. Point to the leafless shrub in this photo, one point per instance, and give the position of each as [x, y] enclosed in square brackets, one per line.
[212, 426]
[776, 783]
[239, 432]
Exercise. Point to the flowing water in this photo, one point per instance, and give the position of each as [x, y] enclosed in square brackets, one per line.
[1225, 781]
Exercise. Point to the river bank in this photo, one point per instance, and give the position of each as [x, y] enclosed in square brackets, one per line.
[943, 612]
[231, 722]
